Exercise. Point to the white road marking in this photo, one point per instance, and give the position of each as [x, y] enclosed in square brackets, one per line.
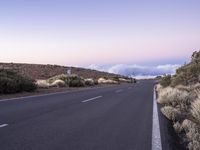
[156, 138]
[91, 99]
[3, 125]
[118, 91]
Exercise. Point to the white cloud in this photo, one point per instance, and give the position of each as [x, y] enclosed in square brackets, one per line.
[137, 70]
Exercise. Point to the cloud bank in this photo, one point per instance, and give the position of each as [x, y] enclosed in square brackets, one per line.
[137, 71]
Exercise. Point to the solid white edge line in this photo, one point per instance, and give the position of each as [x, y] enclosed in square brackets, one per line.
[91, 99]
[3, 125]
[156, 138]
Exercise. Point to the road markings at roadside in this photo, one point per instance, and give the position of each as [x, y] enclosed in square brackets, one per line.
[118, 91]
[156, 138]
[3, 125]
[91, 99]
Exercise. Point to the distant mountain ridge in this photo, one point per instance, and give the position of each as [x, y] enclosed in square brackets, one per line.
[41, 71]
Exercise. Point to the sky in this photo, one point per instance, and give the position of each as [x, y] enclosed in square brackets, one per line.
[103, 34]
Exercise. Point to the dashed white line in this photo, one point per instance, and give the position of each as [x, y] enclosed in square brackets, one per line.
[118, 91]
[156, 138]
[3, 125]
[91, 99]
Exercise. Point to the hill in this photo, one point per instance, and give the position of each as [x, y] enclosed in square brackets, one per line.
[40, 71]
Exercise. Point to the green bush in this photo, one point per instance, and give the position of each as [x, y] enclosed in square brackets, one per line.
[89, 82]
[115, 79]
[165, 81]
[11, 82]
[189, 73]
[70, 80]
[178, 80]
[76, 81]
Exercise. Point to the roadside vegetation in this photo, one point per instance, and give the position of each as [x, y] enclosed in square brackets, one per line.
[11, 82]
[74, 80]
[179, 96]
[14, 81]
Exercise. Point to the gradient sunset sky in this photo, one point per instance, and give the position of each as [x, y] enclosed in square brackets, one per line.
[84, 32]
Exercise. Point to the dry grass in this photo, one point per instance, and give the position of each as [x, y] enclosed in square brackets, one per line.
[58, 83]
[164, 95]
[195, 111]
[62, 77]
[173, 97]
[42, 84]
[89, 82]
[177, 127]
[196, 86]
[184, 97]
[171, 113]
[182, 104]
[159, 87]
[106, 81]
[46, 84]
[183, 88]
[189, 87]
[192, 131]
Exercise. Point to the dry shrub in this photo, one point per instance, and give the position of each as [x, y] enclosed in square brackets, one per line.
[171, 113]
[183, 88]
[180, 103]
[159, 87]
[195, 111]
[196, 86]
[184, 124]
[177, 127]
[173, 97]
[42, 84]
[76, 81]
[106, 81]
[46, 84]
[165, 80]
[12, 82]
[192, 131]
[89, 82]
[58, 83]
[70, 80]
[164, 95]
[62, 77]
[123, 80]
[189, 88]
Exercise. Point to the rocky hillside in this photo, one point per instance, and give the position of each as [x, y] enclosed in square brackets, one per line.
[38, 71]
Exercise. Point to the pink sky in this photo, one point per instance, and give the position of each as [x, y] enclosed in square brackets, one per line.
[106, 32]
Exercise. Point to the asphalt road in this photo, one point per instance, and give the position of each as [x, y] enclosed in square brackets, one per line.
[109, 118]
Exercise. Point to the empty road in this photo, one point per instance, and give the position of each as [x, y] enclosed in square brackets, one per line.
[108, 118]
